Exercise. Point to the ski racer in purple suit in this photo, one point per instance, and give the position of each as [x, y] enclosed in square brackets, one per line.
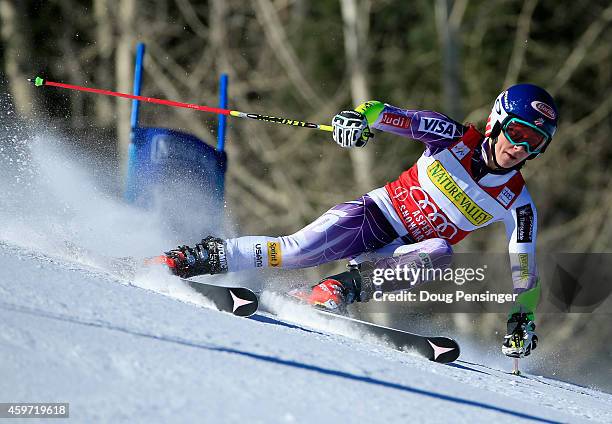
[463, 181]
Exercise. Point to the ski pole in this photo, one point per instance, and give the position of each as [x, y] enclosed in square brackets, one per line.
[38, 82]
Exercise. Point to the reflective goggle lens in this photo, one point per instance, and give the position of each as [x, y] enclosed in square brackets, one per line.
[521, 133]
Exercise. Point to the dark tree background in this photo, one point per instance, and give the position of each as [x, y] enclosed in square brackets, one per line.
[309, 59]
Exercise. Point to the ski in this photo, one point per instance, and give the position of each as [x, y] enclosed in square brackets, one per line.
[239, 301]
[434, 348]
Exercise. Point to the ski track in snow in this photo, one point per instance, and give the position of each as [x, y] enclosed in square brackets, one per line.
[76, 326]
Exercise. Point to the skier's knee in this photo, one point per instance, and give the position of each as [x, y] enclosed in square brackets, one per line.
[441, 253]
[431, 253]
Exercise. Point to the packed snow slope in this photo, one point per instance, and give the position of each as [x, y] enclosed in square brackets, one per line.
[121, 353]
[75, 328]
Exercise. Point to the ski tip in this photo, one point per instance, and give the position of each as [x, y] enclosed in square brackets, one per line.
[38, 81]
[443, 349]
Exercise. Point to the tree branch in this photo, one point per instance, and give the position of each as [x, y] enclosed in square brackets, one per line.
[192, 19]
[580, 50]
[273, 29]
[521, 38]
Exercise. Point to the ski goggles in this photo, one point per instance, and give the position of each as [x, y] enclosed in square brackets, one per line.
[522, 133]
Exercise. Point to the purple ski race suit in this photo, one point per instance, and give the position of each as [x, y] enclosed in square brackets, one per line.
[371, 228]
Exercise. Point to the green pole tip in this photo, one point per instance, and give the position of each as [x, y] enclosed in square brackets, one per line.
[39, 81]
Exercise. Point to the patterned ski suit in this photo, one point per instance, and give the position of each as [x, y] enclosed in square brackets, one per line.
[448, 193]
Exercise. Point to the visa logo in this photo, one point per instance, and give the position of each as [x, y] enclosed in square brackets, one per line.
[437, 126]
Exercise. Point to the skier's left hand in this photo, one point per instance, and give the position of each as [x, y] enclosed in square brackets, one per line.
[351, 129]
[521, 338]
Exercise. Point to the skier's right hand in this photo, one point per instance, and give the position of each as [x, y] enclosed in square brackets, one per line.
[351, 129]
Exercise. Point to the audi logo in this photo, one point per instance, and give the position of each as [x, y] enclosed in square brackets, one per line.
[438, 220]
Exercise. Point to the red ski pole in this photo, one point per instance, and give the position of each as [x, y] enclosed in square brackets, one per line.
[39, 82]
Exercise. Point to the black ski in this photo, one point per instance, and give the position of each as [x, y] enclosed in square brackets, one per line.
[437, 349]
[239, 301]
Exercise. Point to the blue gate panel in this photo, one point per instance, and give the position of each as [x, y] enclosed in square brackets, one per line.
[172, 160]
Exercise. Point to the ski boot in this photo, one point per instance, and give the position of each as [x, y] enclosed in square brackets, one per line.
[207, 257]
[337, 291]
[521, 338]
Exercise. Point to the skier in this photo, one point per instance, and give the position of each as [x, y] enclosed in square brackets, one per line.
[463, 181]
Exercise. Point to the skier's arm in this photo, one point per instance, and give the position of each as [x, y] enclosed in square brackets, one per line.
[521, 228]
[431, 128]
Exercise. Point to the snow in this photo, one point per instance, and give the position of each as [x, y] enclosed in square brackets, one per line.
[120, 353]
[74, 328]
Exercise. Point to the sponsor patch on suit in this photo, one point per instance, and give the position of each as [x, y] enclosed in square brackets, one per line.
[524, 217]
